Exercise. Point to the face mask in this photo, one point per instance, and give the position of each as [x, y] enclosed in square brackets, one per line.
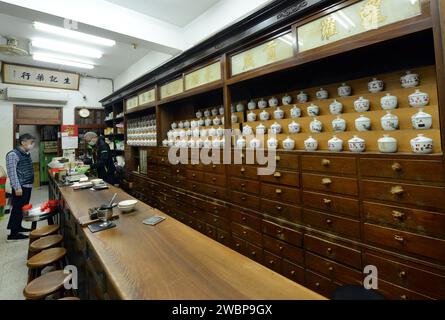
[92, 143]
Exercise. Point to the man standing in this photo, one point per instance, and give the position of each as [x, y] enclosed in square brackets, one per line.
[21, 175]
[103, 157]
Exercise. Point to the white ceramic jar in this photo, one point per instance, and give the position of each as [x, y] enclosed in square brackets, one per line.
[186, 124]
[278, 113]
[419, 99]
[273, 102]
[422, 120]
[216, 143]
[188, 133]
[316, 126]
[241, 143]
[275, 128]
[313, 110]
[339, 124]
[196, 133]
[220, 132]
[361, 105]
[199, 114]
[247, 130]
[174, 125]
[335, 144]
[389, 121]
[322, 94]
[261, 129]
[295, 112]
[234, 118]
[311, 144]
[288, 144]
[251, 105]
[191, 143]
[221, 110]
[208, 122]
[344, 90]
[357, 144]
[264, 115]
[422, 144]
[206, 113]
[255, 143]
[286, 100]
[199, 143]
[410, 80]
[376, 85]
[262, 104]
[272, 143]
[203, 133]
[207, 143]
[362, 123]
[388, 102]
[336, 107]
[165, 143]
[216, 121]
[201, 122]
[240, 107]
[214, 112]
[251, 117]
[212, 132]
[387, 144]
[302, 97]
[294, 127]
[182, 134]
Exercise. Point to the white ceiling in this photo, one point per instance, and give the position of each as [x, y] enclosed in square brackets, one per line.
[176, 12]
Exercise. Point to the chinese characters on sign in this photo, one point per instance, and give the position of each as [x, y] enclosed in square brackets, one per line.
[172, 88]
[202, 76]
[30, 76]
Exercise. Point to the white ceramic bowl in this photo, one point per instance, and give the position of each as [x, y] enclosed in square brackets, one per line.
[127, 206]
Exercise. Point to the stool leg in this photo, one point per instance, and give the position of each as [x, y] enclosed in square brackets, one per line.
[50, 221]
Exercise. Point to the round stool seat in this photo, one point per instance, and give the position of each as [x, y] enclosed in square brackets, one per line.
[46, 257]
[45, 285]
[70, 299]
[46, 242]
[44, 231]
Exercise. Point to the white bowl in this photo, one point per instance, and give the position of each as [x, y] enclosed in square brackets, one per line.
[127, 206]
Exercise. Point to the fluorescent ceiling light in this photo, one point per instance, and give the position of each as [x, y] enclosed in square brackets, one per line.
[74, 34]
[66, 48]
[44, 58]
[62, 57]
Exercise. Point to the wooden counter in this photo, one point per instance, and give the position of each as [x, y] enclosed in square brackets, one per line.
[171, 260]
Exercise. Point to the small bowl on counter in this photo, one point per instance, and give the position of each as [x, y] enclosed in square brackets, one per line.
[127, 205]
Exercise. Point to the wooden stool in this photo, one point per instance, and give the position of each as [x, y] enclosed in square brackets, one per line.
[44, 259]
[44, 231]
[44, 244]
[45, 285]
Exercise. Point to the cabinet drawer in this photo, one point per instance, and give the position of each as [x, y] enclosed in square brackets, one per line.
[238, 244]
[216, 209]
[343, 226]
[288, 178]
[254, 252]
[245, 200]
[333, 204]
[333, 270]
[247, 234]
[283, 249]
[241, 217]
[320, 284]
[215, 179]
[334, 251]
[223, 237]
[193, 186]
[281, 211]
[217, 221]
[340, 165]
[291, 236]
[246, 171]
[245, 185]
[407, 276]
[178, 171]
[287, 161]
[419, 170]
[213, 191]
[195, 175]
[162, 151]
[419, 221]
[405, 241]
[425, 196]
[272, 261]
[393, 292]
[293, 272]
[214, 168]
[346, 186]
[210, 231]
[280, 193]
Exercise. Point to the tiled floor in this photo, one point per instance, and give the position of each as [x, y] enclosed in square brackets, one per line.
[13, 271]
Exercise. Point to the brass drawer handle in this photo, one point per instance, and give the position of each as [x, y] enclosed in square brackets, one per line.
[317, 284]
[277, 175]
[326, 181]
[243, 198]
[399, 238]
[328, 221]
[281, 248]
[277, 158]
[397, 190]
[403, 297]
[243, 185]
[253, 253]
[278, 231]
[221, 237]
[402, 274]
[245, 232]
[213, 179]
[271, 262]
[331, 268]
[214, 166]
[292, 273]
[178, 171]
[193, 175]
[279, 208]
[396, 167]
[329, 250]
[327, 201]
[243, 170]
[244, 218]
[215, 220]
[398, 215]
[278, 191]
[237, 245]
[325, 162]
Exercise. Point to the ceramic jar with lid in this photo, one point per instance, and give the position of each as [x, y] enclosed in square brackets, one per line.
[201, 122]
[273, 102]
[195, 133]
[212, 132]
[311, 144]
[335, 144]
[322, 94]
[302, 97]
[247, 130]
[203, 133]
[232, 108]
[186, 124]
[294, 127]
[410, 80]
[251, 105]
[181, 125]
[389, 121]
[221, 110]
[387, 144]
[286, 100]
[275, 128]
[264, 115]
[313, 110]
[278, 113]
[191, 143]
[295, 112]
[216, 143]
[422, 120]
[220, 132]
[339, 124]
[316, 126]
[262, 104]
[361, 105]
[422, 144]
[241, 143]
[357, 144]
[419, 99]
[165, 143]
[199, 143]
[388, 102]
[376, 85]
[234, 118]
[199, 114]
[362, 123]
[240, 107]
[216, 121]
[208, 122]
[207, 143]
[188, 133]
[174, 125]
[261, 129]
[251, 117]
[182, 134]
[344, 90]
[207, 113]
[214, 112]
[272, 143]
[288, 144]
[255, 143]
[336, 107]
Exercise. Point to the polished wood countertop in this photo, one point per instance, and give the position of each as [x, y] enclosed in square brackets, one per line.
[173, 261]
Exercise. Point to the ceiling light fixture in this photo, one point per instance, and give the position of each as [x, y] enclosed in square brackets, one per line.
[49, 59]
[74, 34]
[66, 48]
